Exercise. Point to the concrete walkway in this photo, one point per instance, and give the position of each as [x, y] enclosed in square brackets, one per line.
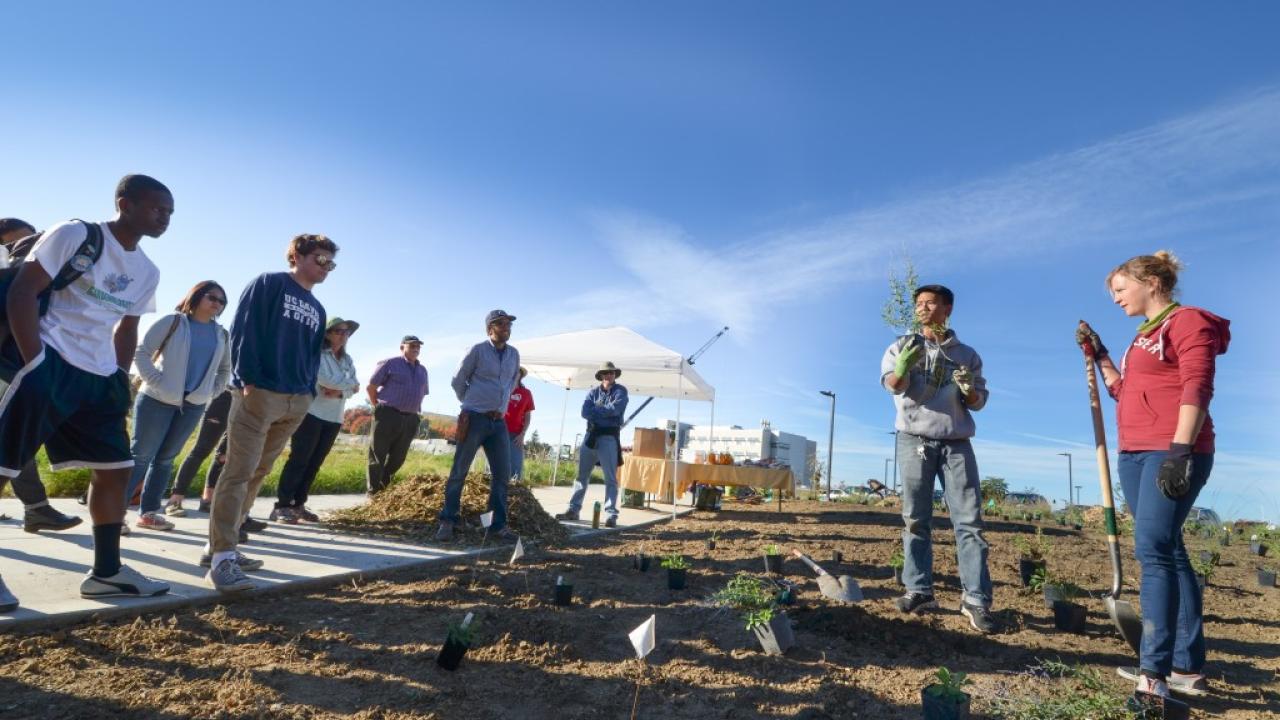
[45, 570]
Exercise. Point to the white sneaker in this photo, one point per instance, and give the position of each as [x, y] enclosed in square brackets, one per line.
[1179, 684]
[153, 521]
[127, 582]
[1152, 686]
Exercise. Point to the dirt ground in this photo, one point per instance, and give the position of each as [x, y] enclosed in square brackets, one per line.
[368, 650]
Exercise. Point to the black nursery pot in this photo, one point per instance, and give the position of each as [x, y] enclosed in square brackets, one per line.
[1027, 568]
[564, 594]
[640, 562]
[1206, 556]
[1154, 706]
[941, 708]
[1266, 579]
[451, 655]
[773, 564]
[1069, 616]
[837, 557]
[897, 575]
[1257, 548]
[676, 578]
[711, 544]
[1201, 582]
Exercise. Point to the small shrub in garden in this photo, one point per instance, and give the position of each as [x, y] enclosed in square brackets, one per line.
[675, 562]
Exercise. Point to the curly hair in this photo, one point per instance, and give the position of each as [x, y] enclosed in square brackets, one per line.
[305, 244]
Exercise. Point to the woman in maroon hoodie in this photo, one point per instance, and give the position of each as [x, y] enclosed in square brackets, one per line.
[1163, 388]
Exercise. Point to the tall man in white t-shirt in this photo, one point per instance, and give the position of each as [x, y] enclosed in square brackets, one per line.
[68, 369]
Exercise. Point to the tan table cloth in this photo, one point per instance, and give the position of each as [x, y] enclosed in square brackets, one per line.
[654, 475]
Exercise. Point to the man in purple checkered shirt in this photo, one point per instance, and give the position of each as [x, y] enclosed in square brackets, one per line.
[395, 392]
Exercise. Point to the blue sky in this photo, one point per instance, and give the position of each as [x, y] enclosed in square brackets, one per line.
[676, 167]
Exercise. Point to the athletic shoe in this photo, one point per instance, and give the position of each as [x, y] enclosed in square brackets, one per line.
[505, 535]
[47, 518]
[283, 515]
[568, 515]
[305, 514]
[175, 510]
[979, 617]
[445, 532]
[127, 582]
[914, 602]
[245, 562]
[1192, 685]
[1152, 686]
[153, 521]
[611, 522]
[124, 530]
[244, 536]
[253, 525]
[8, 603]
[228, 577]
[203, 507]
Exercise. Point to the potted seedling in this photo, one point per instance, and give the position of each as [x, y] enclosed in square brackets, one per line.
[1053, 588]
[640, 562]
[1257, 547]
[564, 592]
[1266, 576]
[677, 571]
[1225, 538]
[1068, 615]
[946, 698]
[896, 561]
[753, 598]
[773, 559]
[1034, 551]
[711, 541]
[1210, 557]
[1204, 571]
[837, 557]
[456, 643]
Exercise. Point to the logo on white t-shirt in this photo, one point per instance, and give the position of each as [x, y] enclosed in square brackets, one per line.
[117, 282]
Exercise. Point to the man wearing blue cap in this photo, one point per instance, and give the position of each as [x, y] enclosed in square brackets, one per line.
[395, 392]
[483, 383]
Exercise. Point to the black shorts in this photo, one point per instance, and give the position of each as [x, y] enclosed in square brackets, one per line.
[78, 416]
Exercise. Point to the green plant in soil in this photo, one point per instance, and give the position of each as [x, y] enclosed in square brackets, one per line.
[675, 562]
[462, 634]
[751, 596]
[949, 686]
[1033, 548]
[897, 561]
[1065, 589]
[1202, 568]
[772, 550]
[1066, 692]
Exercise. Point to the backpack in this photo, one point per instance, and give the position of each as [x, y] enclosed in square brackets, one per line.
[75, 266]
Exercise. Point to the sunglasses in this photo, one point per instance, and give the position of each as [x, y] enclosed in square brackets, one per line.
[216, 298]
[325, 262]
[340, 331]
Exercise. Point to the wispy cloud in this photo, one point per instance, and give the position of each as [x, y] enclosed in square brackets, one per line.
[1179, 175]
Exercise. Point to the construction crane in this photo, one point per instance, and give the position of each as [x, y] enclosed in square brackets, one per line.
[691, 359]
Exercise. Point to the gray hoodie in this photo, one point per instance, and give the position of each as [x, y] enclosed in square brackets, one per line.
[931, 405]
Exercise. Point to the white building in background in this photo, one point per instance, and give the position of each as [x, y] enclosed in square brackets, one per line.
[755, 444]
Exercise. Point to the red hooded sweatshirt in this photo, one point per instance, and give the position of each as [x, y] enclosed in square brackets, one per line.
[1169, 366]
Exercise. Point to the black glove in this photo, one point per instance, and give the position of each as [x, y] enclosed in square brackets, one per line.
[1174, 476]
[1085, 335]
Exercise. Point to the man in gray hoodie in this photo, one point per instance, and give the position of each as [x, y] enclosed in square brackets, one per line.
[937, 383]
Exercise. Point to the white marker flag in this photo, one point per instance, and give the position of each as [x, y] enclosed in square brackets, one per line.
[518, 552]
[644, 637]
[487, 519]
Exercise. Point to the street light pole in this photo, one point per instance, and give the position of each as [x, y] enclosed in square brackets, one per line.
[886, 472]
[895, 460]
[1078, 494]
[1070, 479]
[831, 437]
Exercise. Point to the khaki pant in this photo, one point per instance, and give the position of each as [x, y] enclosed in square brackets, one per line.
[257, 429]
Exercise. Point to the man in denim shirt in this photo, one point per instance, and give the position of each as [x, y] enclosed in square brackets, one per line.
[604, 410]
[483, 384]
[937, 384]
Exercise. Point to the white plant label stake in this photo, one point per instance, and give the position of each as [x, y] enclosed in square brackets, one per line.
[486, 519]
[643, 640]
[518, 552]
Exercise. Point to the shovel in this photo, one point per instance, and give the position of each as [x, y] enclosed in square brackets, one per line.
[845, 589]
[1123, 616]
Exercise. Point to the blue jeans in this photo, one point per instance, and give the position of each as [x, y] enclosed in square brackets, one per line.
[921, 461]
[517, 459]
[159, 432]
[1172, 607]
[606, 452]
[492, 435]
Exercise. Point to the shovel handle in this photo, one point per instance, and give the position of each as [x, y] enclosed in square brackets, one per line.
[1104, 469]
[809, 561]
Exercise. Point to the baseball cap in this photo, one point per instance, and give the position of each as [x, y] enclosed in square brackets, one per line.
[410, 340]
[496, 315]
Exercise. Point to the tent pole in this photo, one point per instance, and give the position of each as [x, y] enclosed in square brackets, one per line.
[675, 483]
[711, 430]
[555, 466]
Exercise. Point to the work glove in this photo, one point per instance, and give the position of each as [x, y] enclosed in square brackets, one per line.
[910, 356]
[1174, 476]
[1085, 335]
[963, 379]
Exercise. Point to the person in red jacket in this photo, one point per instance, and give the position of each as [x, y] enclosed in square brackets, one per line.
[1162, 388]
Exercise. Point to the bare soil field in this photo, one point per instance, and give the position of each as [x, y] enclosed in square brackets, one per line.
[369, 650]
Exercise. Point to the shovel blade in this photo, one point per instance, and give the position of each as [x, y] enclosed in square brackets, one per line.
[842, 589]
[1126, 620]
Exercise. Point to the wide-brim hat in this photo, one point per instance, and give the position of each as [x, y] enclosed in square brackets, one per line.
[352, 325]
[608, 367]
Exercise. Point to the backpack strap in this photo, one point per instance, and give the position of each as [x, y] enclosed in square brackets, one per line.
[85, 256]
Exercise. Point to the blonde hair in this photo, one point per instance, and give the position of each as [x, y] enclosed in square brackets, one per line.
[1164, 266]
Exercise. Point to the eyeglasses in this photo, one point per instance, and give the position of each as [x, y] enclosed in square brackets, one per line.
[325, 262]
[215, 298]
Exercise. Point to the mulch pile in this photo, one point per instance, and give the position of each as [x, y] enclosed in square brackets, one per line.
[409, 507]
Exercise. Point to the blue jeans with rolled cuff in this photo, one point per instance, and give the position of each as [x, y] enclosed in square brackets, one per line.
[490, 434]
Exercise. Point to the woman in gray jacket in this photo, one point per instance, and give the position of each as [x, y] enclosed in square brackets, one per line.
[183, 361]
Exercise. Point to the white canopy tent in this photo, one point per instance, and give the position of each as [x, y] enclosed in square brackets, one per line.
[570, 360]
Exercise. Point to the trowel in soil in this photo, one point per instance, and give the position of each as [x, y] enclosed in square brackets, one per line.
[842, 589]
[1123, 616]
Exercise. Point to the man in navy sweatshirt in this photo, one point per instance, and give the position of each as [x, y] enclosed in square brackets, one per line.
[276, 339]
